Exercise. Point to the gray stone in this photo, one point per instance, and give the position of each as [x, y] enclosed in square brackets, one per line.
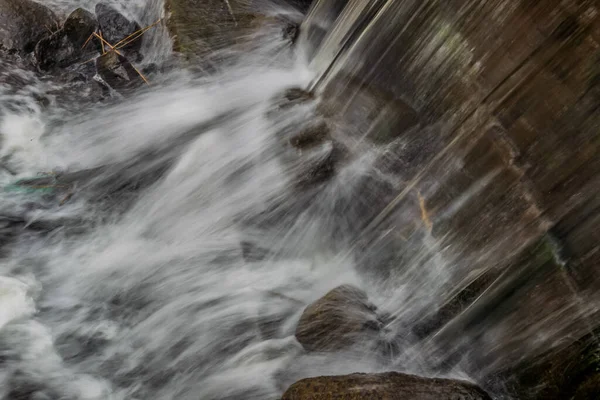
[116, 27]
[64, 47]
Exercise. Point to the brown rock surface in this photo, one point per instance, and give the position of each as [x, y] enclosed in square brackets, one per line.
[337, 321]
[385, 386]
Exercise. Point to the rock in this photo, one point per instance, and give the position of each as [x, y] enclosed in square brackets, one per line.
[115, 27]
[118, 72]
[291, 31]
[312, 135]
[302, 5]
[338, 320]
[23, 23]
[589, 389]
[318, 164]
[64, 47]
[389, 386]
[200, 28]
[80, 24]
[55, 51]
[313, 155]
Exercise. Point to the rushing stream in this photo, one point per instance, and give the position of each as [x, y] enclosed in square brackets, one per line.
[133, 283]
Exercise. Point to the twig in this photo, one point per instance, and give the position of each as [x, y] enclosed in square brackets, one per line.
[137, 35]
[120, 44]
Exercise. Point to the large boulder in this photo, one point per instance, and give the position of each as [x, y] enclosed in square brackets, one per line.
[116, 27]
[64, 47]
[339, 320]
[389, 386]
[23, 23]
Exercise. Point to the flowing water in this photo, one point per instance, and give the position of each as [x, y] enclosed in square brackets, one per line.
[133, 284]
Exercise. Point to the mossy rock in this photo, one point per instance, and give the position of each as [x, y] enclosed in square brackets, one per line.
[385, 386]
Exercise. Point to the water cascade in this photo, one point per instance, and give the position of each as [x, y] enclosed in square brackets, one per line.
[426, 170]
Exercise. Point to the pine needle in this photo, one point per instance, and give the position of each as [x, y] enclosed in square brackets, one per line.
[120, 44]
[137, 35]
[88, 40]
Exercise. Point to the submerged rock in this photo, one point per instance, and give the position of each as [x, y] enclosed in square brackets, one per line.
[389, 386]
[23, 23]
[318, 164]
[340, 319]
[116, 27]
[310, 136]
[64, 47]
[118, 72]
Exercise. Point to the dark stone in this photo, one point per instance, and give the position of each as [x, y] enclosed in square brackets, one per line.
[23, 23]
[64, 47]
[589, 389]
[78, 27]
[339, 320]
[389, 386]
[319, 164]
[115, 27]
[118, 72]
[55, 51]
[302, 5]
[291, 31]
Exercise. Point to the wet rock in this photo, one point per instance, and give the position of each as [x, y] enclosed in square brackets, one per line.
[294, 96]
[566, 371]
[318, 164]
[118, 72]
[589, 389]
[302, 5]
[64, 47]
[23, 23]
[287, 100]
[80, 24]
[310, 136]
[389, 385]
[116, 27]
[200, 28]
[338, 320]
[291, 31]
